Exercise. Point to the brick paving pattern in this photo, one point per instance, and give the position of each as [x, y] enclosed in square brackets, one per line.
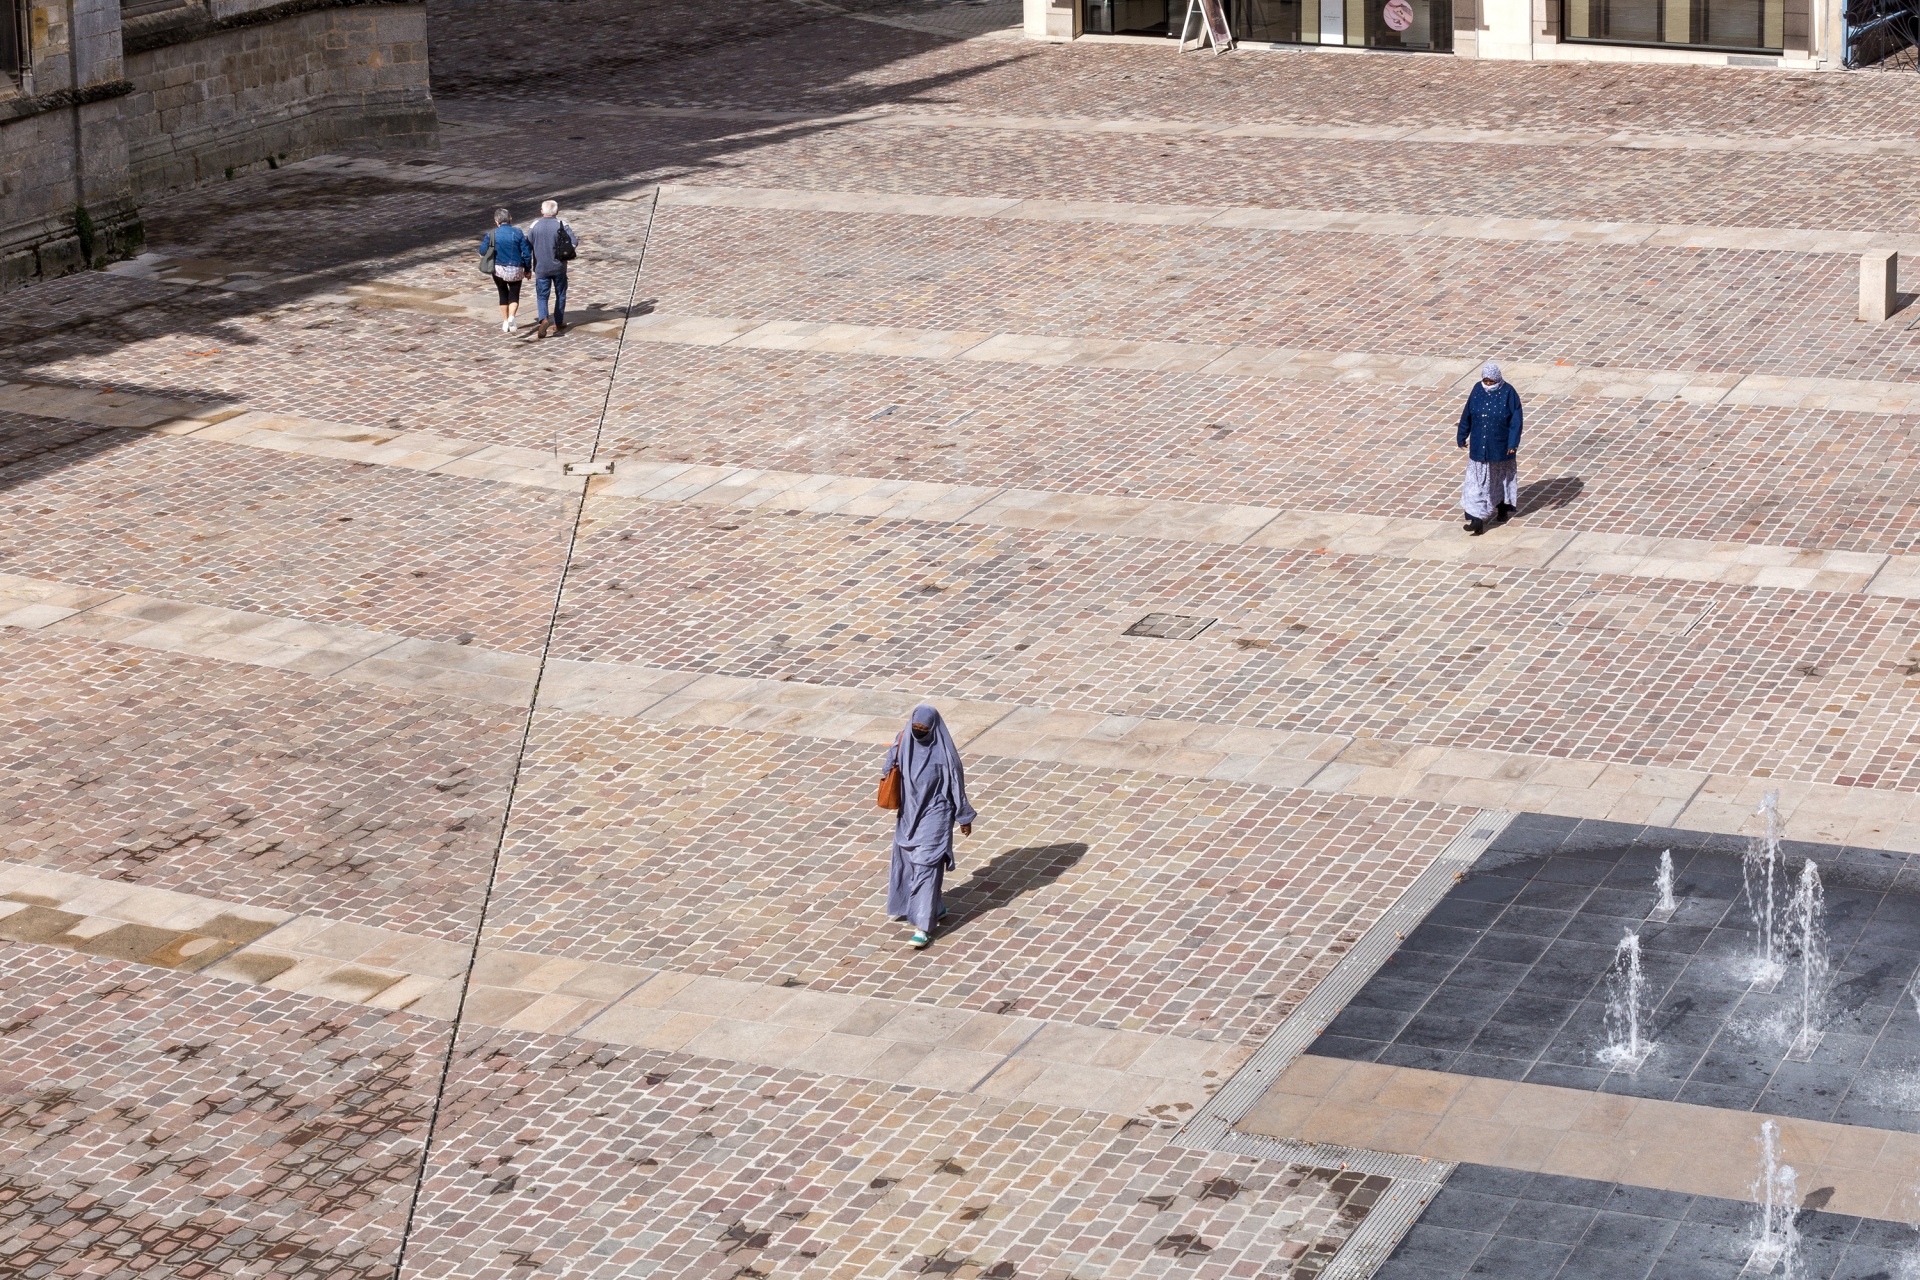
[250, 786]
[1812, 478]
[657, 1164]
[434, 556]
[156, 1124]
[1111, 899]
[178, 1124]
[1579, 666]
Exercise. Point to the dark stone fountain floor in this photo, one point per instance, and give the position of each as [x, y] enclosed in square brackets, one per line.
[1506, 976]
[1527, 1226]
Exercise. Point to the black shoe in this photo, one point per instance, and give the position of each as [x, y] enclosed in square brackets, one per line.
[1503, 513]
[1476, 527]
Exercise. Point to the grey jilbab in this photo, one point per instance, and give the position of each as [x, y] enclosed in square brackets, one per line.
[933, 797]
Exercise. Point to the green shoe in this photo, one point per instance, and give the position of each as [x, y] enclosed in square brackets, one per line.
[920, 940]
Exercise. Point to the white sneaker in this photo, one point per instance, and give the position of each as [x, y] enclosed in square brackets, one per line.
[506, 326]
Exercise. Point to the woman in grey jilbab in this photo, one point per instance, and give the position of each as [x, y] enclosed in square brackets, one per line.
[933, 797]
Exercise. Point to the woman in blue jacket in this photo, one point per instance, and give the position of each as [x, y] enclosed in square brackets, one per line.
[1490, 433]
[512, 260]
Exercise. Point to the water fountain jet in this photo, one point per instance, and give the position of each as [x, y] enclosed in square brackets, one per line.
[1627, 1046]
[1763, 877]
[1776, 1245]
[1664, 906]
[1804, 925]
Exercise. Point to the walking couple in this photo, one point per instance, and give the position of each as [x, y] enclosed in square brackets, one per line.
[509, 255]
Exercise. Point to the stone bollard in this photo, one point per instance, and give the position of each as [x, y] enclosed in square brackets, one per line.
[1879, 282]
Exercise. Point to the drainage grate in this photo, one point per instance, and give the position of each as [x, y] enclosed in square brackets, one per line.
[1169, 626]
[925, 416]
[1416, 1179]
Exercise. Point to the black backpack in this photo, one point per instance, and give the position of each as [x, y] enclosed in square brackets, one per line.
[562, 242]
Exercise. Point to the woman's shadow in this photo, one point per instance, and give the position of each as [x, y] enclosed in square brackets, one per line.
[1550, 495]
[1006, 877]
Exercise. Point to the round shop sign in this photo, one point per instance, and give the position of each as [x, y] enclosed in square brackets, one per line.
[1397, 14]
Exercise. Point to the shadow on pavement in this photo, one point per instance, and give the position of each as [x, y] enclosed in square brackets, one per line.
[1007, 876]
[307, 233]
[1550, 495]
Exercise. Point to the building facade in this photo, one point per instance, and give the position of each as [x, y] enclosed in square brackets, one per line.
[105, 103]
[1789, 34]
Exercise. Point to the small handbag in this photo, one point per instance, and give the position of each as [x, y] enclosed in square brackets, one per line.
[890, 787]
[491, 256]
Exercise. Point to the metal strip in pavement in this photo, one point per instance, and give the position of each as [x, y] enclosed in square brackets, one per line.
[1335, 764]
[1303, 221]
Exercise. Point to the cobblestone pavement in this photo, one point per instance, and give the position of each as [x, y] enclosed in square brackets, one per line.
[597, 983]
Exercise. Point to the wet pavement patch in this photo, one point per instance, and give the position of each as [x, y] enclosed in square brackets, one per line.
[1507, 977]
[1534, 1226]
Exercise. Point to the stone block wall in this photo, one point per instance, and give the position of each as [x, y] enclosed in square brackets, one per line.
[64, 196]
[219, 91]
[112, 108]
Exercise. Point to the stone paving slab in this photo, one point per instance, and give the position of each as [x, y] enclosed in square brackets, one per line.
[1417, 134]
[1158, 1078]
[1771, 475]
[292, 531]
[1538, 230]
[1453, 374]
[1227, 524]
[1574, 1133]
[1329, 762]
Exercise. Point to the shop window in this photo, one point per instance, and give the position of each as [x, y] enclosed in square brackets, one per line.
[1755, 26]
[1129, 17]
[1421, 25]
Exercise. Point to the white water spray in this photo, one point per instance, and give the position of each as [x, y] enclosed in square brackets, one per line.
[1776, 1245]
[1764, 877]
[1665, 906]
[1804, 925]
[1627, 1046]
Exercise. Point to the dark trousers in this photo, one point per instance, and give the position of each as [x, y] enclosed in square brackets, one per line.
[559, 286]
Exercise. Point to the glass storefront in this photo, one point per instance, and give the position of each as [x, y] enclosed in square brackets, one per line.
[1424, 25]
[1746, 26]
[1131, 17]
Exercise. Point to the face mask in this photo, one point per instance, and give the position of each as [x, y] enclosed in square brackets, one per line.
[922, 734]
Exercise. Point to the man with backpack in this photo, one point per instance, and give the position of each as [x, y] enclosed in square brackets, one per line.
[553, 248]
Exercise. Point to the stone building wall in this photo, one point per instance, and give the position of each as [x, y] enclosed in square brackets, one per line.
[112, 106]
[225, 88]
[62, 146]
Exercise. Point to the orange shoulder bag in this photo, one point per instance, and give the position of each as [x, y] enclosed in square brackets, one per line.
[890, 785]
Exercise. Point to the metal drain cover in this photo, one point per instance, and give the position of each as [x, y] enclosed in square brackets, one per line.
[1169, 626]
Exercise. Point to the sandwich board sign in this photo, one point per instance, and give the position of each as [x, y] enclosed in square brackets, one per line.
[1213, 25]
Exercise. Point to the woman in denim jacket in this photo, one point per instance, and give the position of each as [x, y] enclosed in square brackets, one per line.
[512, 260]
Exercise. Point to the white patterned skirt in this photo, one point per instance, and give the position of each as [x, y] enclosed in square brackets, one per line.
[1489, 484]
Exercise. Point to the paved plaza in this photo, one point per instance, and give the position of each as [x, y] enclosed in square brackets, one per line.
[438, 832]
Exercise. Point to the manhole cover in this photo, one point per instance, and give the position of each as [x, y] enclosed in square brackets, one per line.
[1170, 626]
